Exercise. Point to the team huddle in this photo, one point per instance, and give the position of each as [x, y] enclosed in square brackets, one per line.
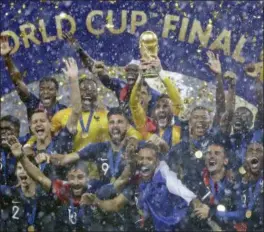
[136, 167]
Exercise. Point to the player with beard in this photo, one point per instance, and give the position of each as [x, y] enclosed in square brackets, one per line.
[252, 186]
[167, 107]
[30, 208]
[48, 87]
[121, 88]
[162, 198]
[219, 194]
[243, 121]
[64, 197]
[92, 126]
[108, 156]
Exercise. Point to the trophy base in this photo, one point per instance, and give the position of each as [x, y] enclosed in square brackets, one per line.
[150, 74]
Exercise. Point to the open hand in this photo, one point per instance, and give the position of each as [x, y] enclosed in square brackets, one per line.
[214, 62]
[71, 70]
[14, 146]
[68, 36]
[5, 46]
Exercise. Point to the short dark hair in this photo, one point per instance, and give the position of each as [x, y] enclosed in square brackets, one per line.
[163, 96]
[40, 110]
[132, 68]
[80, 165]
[221, 142]
[149, 145]
[12, 119]
[247, 109]
[115, 111]
[87, 79]
[200, 108]
[50, 79]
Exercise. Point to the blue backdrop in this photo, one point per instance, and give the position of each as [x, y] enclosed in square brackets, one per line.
[241, 18]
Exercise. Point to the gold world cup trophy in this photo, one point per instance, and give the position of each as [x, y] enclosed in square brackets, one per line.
[148, 46]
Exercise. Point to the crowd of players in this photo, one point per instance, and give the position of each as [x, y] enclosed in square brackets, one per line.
[136, 167]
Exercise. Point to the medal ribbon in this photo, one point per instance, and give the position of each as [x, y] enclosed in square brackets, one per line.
[253, 195]
[217, 189]
[167, 135]
[86, 129]
[80, 210]
[32, 216]
[114, 165]
[3, 155]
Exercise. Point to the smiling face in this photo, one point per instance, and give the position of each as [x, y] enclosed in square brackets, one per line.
[7, 129]
[131, 78]
[199, 122]
[147, 162]
[132, 72]
[40, 125]
[47, 93]
[77, 180]
[117, 127]
[163, 112]
[88, 90]
[243, 120]
[22, 176]
[215, 159]
[254, 158]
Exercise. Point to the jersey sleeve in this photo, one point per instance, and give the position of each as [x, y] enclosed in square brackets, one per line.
[64, 141]
[128, 192]
[132, 132]
[115, 84]
[174, 95]
[31, 101]
[57, 120]
[138, 114]
[61, 190]
[90, 152]
[6, 191]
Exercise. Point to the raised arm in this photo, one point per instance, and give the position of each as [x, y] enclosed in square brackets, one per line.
[71, 72]
[215, 65]
[172, 90]
[96, 67]
[16, 76]
[87, 61]
[259, 124]
[87, 153]
[31, 169]
[138, 114]
[227, 117]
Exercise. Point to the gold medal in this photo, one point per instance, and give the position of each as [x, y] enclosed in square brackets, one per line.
[242, 170]
[198, 154]
[84, 135]
[31, 228]
[221, 208]
[248, 214]
[113, 179]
